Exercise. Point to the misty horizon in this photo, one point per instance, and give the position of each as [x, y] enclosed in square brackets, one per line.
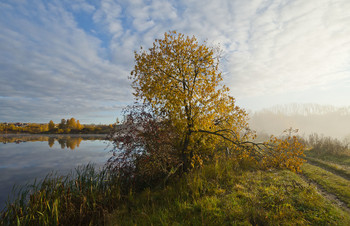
[309, 118]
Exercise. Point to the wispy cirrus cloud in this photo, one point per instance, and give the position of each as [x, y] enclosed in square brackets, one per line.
[296, 45]
[78, 54]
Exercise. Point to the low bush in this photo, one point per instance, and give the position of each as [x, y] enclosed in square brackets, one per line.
[327, 145]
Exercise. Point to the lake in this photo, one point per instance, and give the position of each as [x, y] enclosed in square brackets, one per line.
[26, 157]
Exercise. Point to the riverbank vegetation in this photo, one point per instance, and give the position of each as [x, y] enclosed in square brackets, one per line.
[66, 126]
[80, 198]
[183, 155]
[224, 192]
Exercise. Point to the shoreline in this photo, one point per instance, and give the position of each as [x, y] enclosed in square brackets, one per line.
[52, 135]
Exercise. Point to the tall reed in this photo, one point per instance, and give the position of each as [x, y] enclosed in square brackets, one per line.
[79, 198]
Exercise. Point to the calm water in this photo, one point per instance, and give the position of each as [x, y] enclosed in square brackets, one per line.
[23, 159]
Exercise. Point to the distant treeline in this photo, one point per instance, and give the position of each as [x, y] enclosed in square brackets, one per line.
[66, 126]
[68, 139]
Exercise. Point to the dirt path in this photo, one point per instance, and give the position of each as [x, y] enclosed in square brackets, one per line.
[333, 198]
[336, 172]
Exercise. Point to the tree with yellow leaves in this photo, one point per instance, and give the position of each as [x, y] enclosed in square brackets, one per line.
[71, 123]
[180, 78]
[180, 82]
[79, 126]
[51, 125]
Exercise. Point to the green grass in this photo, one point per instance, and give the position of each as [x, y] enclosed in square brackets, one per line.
[220, 194]
[341, 159]
[341, 170]
[330, 182]
[79, 198]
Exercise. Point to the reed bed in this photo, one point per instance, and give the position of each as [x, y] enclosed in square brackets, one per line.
[82, 197]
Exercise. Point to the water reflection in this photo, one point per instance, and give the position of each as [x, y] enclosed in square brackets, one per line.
[24, 158]
[51, 142]
[70, 143]
[65, 141]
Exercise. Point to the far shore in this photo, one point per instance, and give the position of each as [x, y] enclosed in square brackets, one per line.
[51, 135]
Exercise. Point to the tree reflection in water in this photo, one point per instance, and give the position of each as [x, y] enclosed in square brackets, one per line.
[65, 141]
[51, 141]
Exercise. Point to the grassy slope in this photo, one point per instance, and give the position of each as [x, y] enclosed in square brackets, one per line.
[341, 159]
[219, 194]
[330, 182]
[331, 171]
[341, 170]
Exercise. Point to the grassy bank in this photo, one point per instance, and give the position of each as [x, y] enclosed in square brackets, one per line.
[341, 170]
[342, 158]
[332, 183]
[331, 171]
[221, 193]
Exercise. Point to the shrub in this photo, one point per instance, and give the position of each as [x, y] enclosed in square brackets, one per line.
[326, 145]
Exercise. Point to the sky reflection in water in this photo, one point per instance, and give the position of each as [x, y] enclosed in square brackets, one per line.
[22, 162]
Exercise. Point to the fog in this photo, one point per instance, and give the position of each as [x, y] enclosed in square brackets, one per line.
[325, 120]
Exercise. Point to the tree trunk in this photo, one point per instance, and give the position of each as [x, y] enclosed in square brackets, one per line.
[185, 160]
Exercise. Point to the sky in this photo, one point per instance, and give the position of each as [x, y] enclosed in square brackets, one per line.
[63, 58]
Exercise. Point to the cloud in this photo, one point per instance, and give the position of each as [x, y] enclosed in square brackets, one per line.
[78, 54]
[52, 67]
[80, 5]
[109, 14]
[292, 46]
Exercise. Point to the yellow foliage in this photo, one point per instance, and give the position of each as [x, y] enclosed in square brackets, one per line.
[180, 78]
[285, 153]
[51, 125]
